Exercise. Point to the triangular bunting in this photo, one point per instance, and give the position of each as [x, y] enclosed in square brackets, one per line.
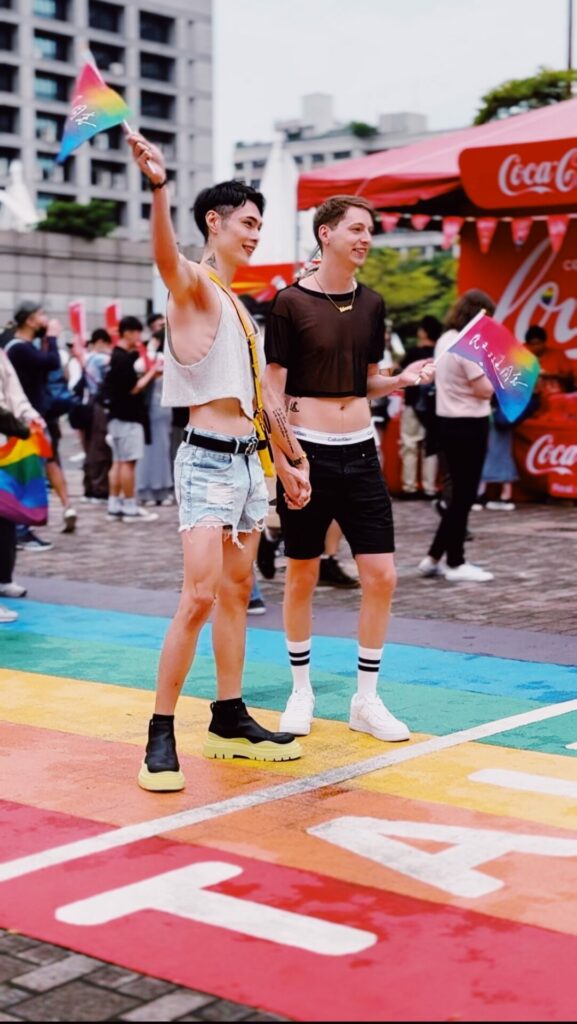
[419, 221]
[557, 224]
[485, 230]
[451, 228]
[389, 221]
[520, 228]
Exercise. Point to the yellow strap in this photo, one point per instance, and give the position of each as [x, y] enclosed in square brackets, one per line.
[250, 337]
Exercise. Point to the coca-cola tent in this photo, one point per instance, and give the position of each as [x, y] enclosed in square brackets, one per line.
[509, 188]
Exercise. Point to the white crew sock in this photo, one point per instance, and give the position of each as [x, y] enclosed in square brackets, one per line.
[114, 503]
[300, 659]
[129, 506]
[368, 670]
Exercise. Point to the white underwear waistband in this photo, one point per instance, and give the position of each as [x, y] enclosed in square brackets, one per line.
[323, 437]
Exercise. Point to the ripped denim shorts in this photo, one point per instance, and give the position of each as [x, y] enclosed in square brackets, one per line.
[219, 489]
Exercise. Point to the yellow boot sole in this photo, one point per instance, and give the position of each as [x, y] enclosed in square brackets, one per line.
[160, 782]
[216, 746]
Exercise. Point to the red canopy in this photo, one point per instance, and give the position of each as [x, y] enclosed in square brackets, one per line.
[426, 175]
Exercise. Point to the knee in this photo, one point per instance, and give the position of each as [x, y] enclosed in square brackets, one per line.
[301, 580]
[195, 607]
[236, 590]
[381, 583]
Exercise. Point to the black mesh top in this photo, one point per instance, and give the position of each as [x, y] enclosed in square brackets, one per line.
[326, 353]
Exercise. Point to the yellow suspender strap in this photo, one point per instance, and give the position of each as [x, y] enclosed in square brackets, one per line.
[250, 337]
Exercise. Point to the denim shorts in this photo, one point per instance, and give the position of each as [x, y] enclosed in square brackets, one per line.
[347, 484]
[219, 488]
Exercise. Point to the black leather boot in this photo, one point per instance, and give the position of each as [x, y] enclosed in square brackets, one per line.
[234, 733]
[160, 771]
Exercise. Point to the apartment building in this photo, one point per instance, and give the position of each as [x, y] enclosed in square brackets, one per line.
[156, 53]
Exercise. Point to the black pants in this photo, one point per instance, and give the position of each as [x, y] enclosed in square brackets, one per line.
[98, 456]
[463, 443]
[7, 550]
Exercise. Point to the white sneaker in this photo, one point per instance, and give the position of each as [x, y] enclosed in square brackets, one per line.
[7, 615]
[139, 516]
[69, 520]
[428, 567]
[369, 714]
[503, 506]
[468, 573]
[12, 590]
[298, 714]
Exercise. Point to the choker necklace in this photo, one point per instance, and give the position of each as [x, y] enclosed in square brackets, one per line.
[341, 309]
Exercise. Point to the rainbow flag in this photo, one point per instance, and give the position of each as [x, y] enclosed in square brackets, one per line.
[23, 490]
[95, 107]
[508, 364]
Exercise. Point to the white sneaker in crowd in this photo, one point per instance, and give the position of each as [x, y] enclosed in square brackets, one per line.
[429, 567]
[369, 714]
[139, 515]
[468, 573]
[7, 615]
[69, 520]
[298, 714]
[12, 590]
[503, 506]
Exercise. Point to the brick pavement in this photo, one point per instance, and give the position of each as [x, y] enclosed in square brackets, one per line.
[532, 552]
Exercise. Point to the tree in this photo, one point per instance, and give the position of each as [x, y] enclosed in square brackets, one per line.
[95, 219]
[362, 130]
[522, 94]
[411, 285]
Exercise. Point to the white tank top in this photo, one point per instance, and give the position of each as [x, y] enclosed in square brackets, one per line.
[224, 372]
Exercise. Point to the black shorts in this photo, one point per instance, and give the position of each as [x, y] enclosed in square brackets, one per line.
[347, 485]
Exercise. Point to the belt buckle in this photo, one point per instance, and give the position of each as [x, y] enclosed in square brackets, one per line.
[251, 446]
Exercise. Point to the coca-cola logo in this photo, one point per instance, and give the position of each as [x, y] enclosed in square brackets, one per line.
[532, 296]
[516, 178]
[545, 456]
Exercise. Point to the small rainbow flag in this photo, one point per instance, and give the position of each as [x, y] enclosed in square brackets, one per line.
[508, 364]
[95, 107]
[23, 489]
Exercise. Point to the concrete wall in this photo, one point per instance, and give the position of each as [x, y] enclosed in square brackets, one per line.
[57, 269]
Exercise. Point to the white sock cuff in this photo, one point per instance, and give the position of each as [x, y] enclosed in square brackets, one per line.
[299, 646]
[371, 653]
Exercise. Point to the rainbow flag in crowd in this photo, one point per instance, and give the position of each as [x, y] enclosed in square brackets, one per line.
[95, 107]
[23, 490]
[508, 364]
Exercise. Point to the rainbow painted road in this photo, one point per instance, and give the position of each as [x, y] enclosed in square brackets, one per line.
[434, 880]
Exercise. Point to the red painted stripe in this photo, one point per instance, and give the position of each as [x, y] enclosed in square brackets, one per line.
[430, 962]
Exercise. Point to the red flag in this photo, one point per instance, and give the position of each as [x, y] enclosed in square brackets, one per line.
[557, 224]
[77, 320]
[389, 221]
[520, 228]
[419, 221]
[451, 228]
[112, 319]
[485, 230]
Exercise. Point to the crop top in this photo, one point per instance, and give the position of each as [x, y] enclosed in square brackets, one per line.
[326, 353]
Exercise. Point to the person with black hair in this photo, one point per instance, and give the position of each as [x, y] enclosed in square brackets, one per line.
[219, 481]
[415, 417]
[127, 422]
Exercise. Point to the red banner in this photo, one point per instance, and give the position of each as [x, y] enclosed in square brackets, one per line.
[263, 282]
[77, 320]
[485, 230]
[419, 221]
[389, 221]
[112, 319]
[528, 175]
[520, 229]
[451, 229]
[557, 225]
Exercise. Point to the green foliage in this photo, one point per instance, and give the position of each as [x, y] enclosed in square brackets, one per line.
[523, 94]
[362, 130]
[411, 285]
[85, 220]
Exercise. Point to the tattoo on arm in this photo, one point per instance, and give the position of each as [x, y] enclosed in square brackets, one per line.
[284, 430]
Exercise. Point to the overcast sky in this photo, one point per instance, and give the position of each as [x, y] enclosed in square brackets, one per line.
[435, 57]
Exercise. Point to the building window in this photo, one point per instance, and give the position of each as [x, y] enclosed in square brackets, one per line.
[119, 214]
[6, 158]
[7, 78]
[44, 199]
[51, 9]
[159, 68]
[6, 4]
[107, 17]
[106, 56]
[51, 47]
[49, 127]
[8, 119]
[145, 211]
[155, 28]
[107, 141]
[108, 175]
[7, 37]
[166, 141]
[298, 160]
[344, 154]
[51, 87]
[318, 158]
[153, 104]
[49, 170]
[255, 183]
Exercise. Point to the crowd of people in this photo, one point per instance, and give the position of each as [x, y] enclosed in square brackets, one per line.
[189, 409]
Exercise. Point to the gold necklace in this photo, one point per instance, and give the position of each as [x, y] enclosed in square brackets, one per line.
[341, 309]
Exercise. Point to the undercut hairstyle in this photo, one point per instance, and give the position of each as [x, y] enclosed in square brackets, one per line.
[129, 323]
[535, 333]
[333, 210]
[224, 198]
[466, 307]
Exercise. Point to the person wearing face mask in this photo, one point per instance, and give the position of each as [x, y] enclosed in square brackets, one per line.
[33, 352]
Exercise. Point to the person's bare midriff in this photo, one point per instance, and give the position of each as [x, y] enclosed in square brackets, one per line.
[333, 415]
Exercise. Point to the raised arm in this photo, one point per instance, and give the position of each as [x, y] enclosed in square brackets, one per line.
[181, 277]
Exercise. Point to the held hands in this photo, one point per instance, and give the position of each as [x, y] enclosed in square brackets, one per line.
[148, 157]
[296, 484]
[422, 371]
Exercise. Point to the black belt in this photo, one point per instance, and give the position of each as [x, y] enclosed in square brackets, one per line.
[216, 444]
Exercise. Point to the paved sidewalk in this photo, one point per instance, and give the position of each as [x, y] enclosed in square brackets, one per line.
[529, 610]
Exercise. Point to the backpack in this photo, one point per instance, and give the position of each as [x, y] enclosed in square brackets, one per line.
[57, 395]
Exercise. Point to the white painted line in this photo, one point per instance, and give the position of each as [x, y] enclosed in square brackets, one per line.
[571, 746]
[157, 826]
[524, 781]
